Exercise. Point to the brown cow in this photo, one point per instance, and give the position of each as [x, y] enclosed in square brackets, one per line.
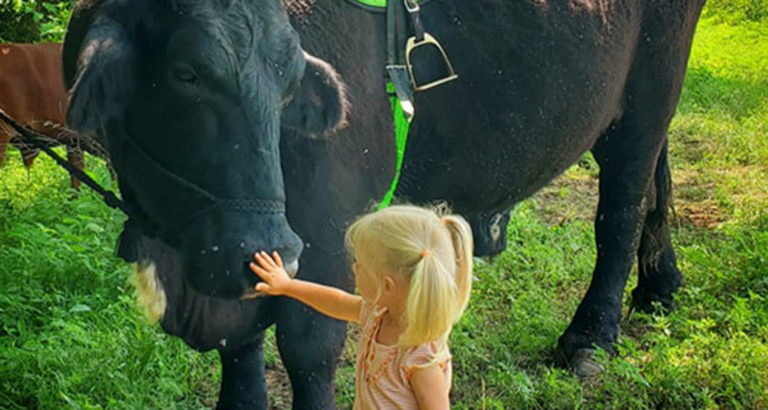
[33, 93]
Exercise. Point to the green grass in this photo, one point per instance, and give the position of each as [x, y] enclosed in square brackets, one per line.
[71, 336]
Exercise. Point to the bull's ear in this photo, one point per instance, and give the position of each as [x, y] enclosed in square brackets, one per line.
[105, 76]
[319, 106]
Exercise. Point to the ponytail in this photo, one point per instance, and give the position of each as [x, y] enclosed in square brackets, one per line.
[463, 248]
[431, 302]
[439, 292]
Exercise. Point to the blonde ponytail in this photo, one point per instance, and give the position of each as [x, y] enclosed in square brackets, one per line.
[463, 248]
[440, 287]
[431, 307]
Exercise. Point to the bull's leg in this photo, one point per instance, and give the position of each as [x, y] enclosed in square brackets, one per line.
[3, 148]
[27, 151]
[6, 132]
[310, 343]
[624, 176]
[659, 276]
[627, 154]
[28, 155]
[243, 385]
[75, 157]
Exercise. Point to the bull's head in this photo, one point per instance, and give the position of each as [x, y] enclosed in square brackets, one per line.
[191, 96]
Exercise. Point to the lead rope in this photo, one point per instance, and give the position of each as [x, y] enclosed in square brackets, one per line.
[36, 140]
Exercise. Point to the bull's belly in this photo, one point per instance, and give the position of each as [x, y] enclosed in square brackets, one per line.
[494, 152]
[484, 179]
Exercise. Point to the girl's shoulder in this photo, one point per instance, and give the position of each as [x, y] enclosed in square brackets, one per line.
[424, 355]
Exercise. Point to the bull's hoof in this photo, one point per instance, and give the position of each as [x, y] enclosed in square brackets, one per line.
[584, 365]
[581, 362]
[576, 352]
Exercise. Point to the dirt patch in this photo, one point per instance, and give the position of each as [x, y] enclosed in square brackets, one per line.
[573, 197]
[570, 197]
[705, 214]
[695, 200]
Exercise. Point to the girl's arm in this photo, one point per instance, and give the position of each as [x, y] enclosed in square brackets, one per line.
[430, 389]
[327, 300]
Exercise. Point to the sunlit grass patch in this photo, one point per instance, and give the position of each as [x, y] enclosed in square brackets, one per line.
[719, 138]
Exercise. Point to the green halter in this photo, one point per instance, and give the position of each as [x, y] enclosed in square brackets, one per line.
[401, 134]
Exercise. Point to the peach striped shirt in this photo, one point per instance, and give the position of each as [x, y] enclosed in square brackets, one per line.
[383, 373]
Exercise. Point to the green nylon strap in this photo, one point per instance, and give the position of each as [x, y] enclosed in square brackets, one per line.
[374, 3]
[401, 134]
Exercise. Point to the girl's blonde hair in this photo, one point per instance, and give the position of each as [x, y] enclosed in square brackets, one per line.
[430, 251]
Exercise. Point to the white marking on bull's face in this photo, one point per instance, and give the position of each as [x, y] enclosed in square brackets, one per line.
[150, 296]
[494, 227]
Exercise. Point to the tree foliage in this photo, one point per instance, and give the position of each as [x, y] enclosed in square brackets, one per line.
[737, 11]
[25, 21]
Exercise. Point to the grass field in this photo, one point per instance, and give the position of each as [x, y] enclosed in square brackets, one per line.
[71, 336]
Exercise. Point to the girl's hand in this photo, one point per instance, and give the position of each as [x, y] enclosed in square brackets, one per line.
[327, 300]
[276, 279]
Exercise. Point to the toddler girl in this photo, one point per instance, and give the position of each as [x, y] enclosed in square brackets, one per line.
[413, 270]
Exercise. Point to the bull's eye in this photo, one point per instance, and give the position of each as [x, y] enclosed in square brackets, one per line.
[185, 75]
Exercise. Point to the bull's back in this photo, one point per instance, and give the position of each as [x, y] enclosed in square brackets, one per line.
[539, 83]
[31, 86]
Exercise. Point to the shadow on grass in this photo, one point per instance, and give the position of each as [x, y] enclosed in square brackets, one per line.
[704, 91]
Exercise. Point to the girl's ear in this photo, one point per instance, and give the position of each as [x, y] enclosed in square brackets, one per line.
[390, 287]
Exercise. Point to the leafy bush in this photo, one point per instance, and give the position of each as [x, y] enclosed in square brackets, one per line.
[737, 11]
[17, 26]
[34, 21]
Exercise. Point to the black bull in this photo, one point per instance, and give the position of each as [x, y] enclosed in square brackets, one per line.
[228, 138]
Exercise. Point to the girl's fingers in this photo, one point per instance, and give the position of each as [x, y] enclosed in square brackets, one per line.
[268, 260]
[268, 269]
[259, 271]
[259, 258]
[262, 261]
[278, 260]
[262, 287]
